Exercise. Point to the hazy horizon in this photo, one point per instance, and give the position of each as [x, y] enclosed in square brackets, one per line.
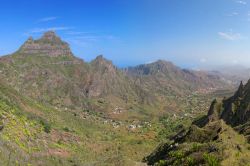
[196, 34]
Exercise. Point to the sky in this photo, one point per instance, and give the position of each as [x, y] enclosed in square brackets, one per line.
[191, 34]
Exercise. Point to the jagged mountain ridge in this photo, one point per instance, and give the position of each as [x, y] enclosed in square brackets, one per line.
[45, 69]
[219, 138]
[233, 110]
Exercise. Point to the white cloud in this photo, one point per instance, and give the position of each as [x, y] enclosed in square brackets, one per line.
[77, 33]
[46, 19]
[90, 39]
[79, 43]
[41, 30]
[94, 37]
[89, 36]
[233, 14]
[241, 2]
[230, 35]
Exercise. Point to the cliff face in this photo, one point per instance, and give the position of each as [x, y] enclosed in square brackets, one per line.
[48, 45]
[235, 110]
[219, 138]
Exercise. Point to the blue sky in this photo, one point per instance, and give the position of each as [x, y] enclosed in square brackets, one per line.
[193, 33]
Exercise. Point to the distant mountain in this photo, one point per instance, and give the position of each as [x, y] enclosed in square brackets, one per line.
[163, 76]
[219, 138]
[233, 74]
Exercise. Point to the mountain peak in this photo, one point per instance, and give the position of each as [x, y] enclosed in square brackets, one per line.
[239, 92]
[235, 109]
[160, 61]
[101, 60]
[50, 36]
[48, 45]
[159, 66]
[103, 63]
[100, 57]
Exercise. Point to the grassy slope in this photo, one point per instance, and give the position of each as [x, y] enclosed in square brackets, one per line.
[200, 148]
[75, 136]
[72, 138]
[78, 136]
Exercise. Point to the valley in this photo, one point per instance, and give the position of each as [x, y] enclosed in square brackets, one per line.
[57, 109]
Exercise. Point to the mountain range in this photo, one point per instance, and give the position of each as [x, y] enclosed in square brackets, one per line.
[57, 109]
[45, 69]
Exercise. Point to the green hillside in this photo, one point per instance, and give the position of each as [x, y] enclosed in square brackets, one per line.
[57, 109]
[219, 138]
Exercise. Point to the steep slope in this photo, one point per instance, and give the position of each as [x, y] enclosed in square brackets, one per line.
[46, 70]
[214, 144]
[219, 138]
[32, 133]
[234, 110]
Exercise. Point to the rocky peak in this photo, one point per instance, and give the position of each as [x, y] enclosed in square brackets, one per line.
[103, 64]
[30, 40]
[212, 107]
[51, 37]
[240, 91]
[48, 45]
[100, 58]
[234, 110]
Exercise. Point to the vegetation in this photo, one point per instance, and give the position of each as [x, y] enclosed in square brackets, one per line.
[209, 140]
[56, 109]
[211, 160]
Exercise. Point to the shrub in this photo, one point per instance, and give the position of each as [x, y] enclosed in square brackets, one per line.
[46, 126]
[211, 160]
[190, 161]
[161, 163]
[66, 129]
[196, 147]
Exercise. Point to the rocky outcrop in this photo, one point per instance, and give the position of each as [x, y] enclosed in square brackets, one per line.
[213, 139]
[234, 110]
[214, 144]
[102, 64]
[48, 45]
